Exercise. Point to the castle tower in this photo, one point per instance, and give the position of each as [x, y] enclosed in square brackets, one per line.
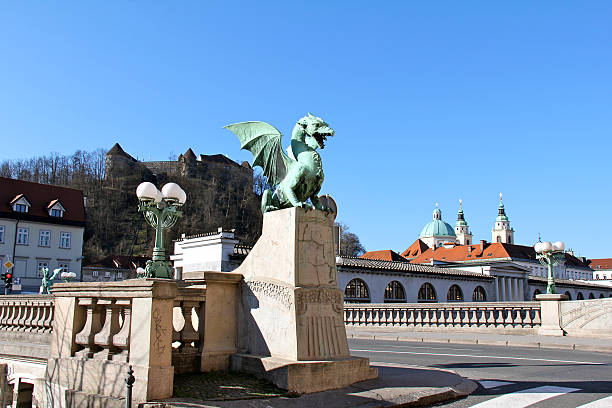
[501, 229]
[462, 229]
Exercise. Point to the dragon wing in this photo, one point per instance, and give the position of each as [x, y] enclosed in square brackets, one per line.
[264, 141]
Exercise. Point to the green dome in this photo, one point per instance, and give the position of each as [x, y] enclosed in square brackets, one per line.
[501, 214]
[437, 227]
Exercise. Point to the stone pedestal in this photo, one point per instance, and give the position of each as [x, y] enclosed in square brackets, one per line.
[550, 314]
[291, 308]
[91, 351]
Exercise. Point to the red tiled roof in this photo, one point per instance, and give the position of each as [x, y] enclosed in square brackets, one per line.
[602, 263]
[119, 262]
[416, 249]
[384, 255]
[40, 196]
[486, 251]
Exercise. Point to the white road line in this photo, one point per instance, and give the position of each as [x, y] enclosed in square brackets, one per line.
[474, 356]
[600, 403]
[433, 348]
[525, 398]
[493, 384]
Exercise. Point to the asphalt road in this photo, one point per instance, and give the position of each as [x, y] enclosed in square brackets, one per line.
[511, 377]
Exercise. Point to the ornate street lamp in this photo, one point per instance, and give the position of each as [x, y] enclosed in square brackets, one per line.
[161, 210]
[549, 255]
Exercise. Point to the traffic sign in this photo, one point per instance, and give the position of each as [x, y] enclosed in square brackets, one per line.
[8, 265]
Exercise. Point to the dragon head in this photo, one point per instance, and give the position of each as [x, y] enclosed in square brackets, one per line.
[316, 131]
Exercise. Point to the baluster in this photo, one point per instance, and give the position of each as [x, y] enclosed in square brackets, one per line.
[461, 317]
[499, 320]
[40, 318]
[3, 313]
[26, 319]
[536, 317]
[93, 323]
[508, 320]
[19, 306]
[527, 322]
[49, 314]
[104, 338]
[518, 321]
[189, 336]
[121, 340]
[176, 331]
[434, 317]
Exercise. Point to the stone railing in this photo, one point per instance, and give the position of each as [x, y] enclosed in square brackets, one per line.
[26, 313]
[188, 329]
[590, 318]
[424, 316]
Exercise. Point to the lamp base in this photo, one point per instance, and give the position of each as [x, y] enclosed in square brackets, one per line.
[158, 269]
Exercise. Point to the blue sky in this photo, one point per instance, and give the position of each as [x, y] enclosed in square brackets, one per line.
[431, 101]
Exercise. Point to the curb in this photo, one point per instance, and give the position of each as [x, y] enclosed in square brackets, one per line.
[503, 343]
[435, 396]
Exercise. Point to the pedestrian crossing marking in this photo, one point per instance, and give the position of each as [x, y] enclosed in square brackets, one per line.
[486, 384]
[525, 398]
[600, 403]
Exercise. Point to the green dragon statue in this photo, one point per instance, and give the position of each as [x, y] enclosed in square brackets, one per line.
[297, 175]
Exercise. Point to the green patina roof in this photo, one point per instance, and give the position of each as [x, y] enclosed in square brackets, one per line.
[437, 227]
[501, 214]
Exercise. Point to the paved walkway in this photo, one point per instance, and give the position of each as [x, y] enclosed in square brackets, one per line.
[396, 385]
[510, 340]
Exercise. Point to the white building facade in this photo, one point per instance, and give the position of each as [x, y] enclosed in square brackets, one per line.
[40, 226]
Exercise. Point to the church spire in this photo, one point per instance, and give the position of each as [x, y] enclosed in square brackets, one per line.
[462, 230]
[501, 229]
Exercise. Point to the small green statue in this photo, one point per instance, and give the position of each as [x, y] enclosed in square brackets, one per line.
[297, 176]
[47, 278]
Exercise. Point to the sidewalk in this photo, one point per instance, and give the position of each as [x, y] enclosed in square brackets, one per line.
[396, 385]
[508, 340]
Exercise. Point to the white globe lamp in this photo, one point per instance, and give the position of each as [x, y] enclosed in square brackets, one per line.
[147, 191]
[172, 191]
[559, 246]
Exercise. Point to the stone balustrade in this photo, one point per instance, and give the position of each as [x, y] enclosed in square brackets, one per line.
[188, 328]
[507, 316]
[26, 313]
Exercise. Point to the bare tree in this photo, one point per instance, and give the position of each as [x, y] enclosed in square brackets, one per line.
[350, 245]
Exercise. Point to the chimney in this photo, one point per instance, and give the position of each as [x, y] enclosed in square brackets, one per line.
[482, 244]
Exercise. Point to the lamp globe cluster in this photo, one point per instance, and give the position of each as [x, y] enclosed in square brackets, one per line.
[544, 247]
[170, 192]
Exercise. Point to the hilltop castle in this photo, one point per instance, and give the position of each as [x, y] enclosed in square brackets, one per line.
[211, 167]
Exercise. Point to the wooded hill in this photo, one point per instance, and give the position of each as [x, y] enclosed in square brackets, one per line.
[220, 193]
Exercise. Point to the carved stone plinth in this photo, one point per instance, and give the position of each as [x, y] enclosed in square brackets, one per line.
[551, 316]
[291, 307]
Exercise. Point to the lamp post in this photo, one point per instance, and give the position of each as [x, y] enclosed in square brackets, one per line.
[161, 210]
[549, 255]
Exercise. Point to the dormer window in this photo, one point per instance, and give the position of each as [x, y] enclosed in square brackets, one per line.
[56, 209]
[20, 204]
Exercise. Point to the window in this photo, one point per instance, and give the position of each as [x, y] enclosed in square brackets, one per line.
[427, 293]
[580, 296]
[479, 294]
[57, 213]
[569, 295]
[356, 291]
[498, 238]
[591, 295]
[119, 275]
[94, 273]
[45, 238]
[601, 295]
[64, 266]
[22, 208]
[23, 236]
[394, 292]
[107, 274]
[1, 234]
[454, 294]
[65, 240]
[39, 266]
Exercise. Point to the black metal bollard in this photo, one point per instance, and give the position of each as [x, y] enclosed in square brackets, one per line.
[129, 380]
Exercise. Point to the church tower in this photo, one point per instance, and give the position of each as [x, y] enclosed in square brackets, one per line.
[462, 230]
[501, 229]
